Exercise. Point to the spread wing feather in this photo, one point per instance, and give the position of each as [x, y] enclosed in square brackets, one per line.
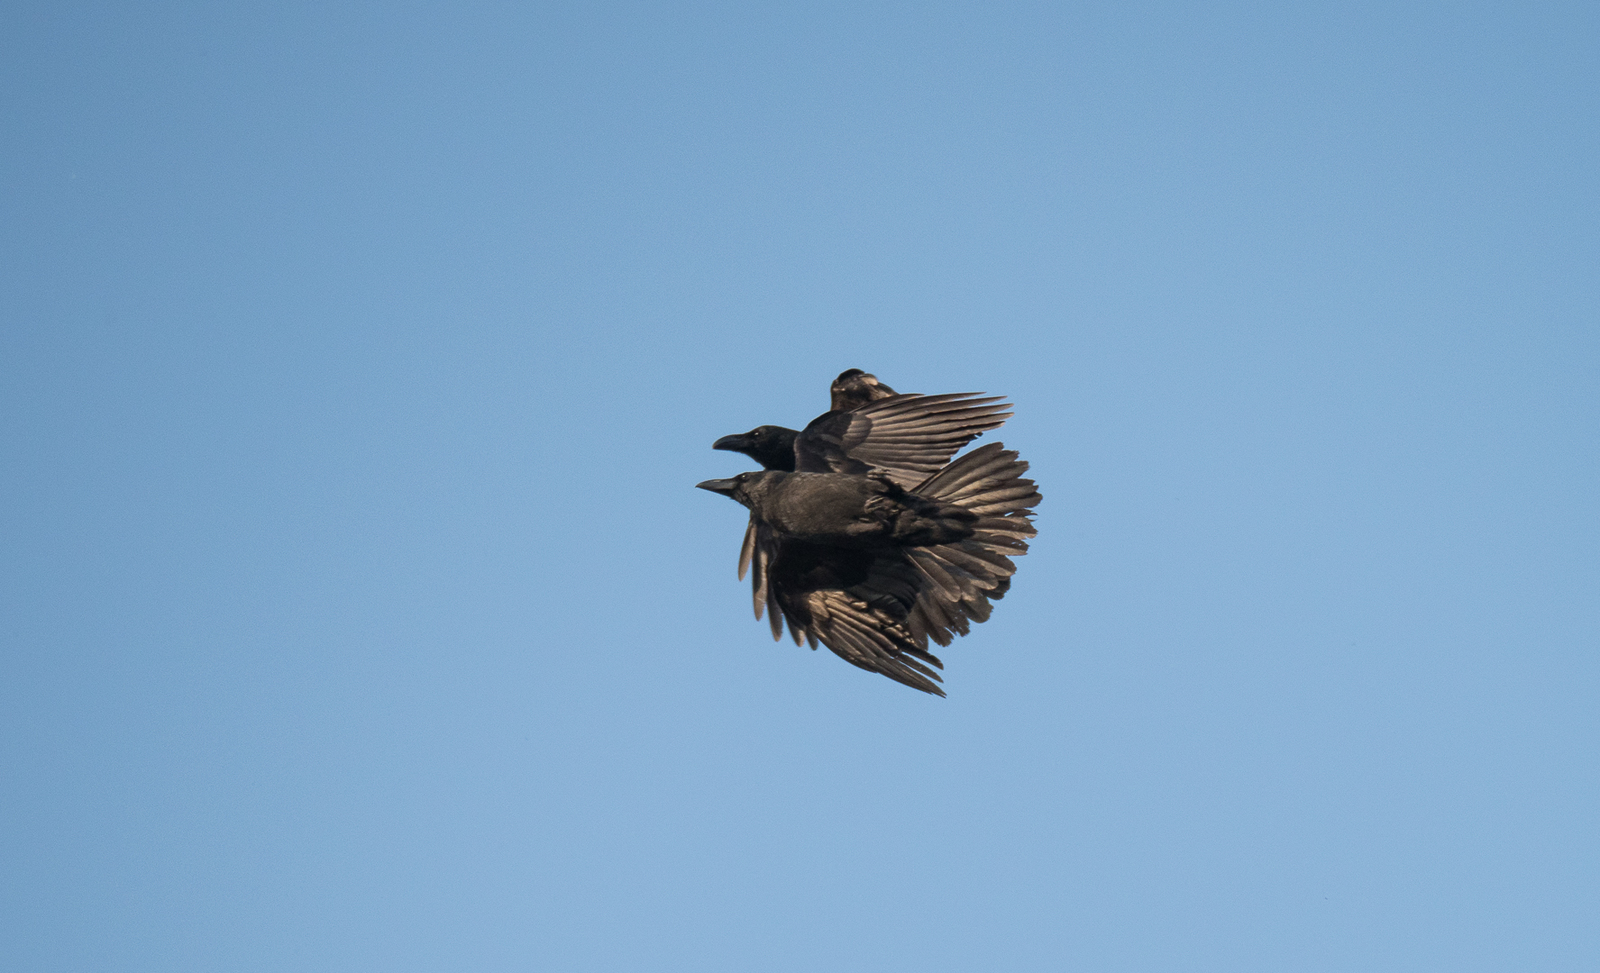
[759, 550]
[864, 638]
[907, 436]
[857, 604]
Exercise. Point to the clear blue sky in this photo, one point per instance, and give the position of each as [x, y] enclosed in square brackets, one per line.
[358, 362]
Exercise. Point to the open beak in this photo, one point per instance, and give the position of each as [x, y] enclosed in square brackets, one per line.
[724, 487]
[736, 444]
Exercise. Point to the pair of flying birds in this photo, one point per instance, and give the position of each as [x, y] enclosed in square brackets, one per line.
[865, 536]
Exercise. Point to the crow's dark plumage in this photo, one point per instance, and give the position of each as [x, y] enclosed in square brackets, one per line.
[863, 539]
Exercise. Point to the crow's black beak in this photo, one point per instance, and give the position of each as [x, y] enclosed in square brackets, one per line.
[724, 487]
[736, 444]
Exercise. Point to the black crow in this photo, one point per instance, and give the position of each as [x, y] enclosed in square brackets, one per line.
[870, 427]
[773, 446]
[873, 570]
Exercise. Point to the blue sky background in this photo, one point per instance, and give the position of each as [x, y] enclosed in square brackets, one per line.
[358, 362]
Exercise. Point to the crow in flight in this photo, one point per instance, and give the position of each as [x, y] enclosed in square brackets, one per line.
[863, 539]
[872, 428]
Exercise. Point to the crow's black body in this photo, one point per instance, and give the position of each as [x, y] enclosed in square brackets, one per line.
[845, 510]
[861, 536]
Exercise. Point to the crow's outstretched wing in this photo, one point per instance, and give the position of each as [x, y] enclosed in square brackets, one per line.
[856, 603]
[907, 436]
[865, 638]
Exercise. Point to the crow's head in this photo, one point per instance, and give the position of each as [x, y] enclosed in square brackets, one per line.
[855, 388]
[734, 488]
[771, 446]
